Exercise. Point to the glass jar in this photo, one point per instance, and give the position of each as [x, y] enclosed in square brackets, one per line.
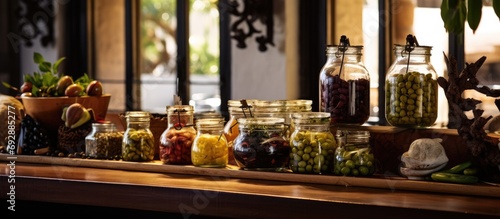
[313, 145]
[345, 85]
[411, 98]
[104, 141]
[353, 156]
[210, 145]
[138, 142]
[231, 129]
[176, 141]
[261, 144]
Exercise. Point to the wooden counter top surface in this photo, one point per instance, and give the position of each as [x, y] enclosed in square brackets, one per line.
[226, 195]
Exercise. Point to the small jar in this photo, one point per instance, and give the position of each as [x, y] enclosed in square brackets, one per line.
[231, 129]
[261, 144]
[345, 85]
[210, 145]
[353, 156]
[138, 142]
[176, 141]
[313, 145]
[411, 98]
[104, 141]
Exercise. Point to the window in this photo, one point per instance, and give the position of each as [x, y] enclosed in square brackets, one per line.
[147, 51]
[159, 38]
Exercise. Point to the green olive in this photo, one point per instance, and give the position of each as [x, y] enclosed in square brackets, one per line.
[411, 99]
[312, 151]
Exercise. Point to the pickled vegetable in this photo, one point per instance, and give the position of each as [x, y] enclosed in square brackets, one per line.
[175, 145]
[411, 99]
[354, 160]
[261, 144]
[138, 145]
[312, 151]
[209, 151]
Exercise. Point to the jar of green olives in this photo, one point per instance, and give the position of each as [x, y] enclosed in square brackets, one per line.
[104, 141]
[411, 98]
[313, 145]
[138, 142]
[261, 144]
[210, 145]
[345, 85]
[177, 139]
[353, 156]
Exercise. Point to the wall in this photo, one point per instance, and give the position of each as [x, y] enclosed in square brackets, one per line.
[272, 74]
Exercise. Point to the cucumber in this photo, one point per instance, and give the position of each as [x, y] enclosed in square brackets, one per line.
[459, 168]
[454, 178]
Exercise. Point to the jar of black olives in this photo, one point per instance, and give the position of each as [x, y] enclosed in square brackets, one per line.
[177, 139]
[411, 98]
[353, 156]
[313, 145]
[261, 144]
[104, 141]
[210, 145]
[345, 85]
[138, 142]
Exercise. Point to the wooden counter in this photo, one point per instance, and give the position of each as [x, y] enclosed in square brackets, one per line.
[231, 193]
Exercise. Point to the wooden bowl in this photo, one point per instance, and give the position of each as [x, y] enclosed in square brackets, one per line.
[48, 110]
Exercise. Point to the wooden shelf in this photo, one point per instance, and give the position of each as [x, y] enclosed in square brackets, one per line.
[391, 182]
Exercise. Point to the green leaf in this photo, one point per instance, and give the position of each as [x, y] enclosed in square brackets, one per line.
[38, 58]
[444, 13]
[496, 7]
[49, 79]
[55, 67]
[45, 66]
[34, 90]
[452, 4]
[474, 12]
[7, 85]
[29, 78]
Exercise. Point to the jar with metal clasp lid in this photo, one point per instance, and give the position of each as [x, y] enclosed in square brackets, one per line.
[210, 145]
[313, 145]
[237, 109]
[176, 141]
[345, 85]
[411, 98]
[138, 142]
[353, 156]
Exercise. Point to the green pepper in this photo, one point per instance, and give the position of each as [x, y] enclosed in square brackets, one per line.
[459, 168]
[454, 178]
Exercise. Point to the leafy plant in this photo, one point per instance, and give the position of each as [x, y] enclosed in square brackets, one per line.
[455, 13]
[44, 82]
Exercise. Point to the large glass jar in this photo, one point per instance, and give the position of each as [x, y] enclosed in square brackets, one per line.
[138, 142]
[411, 98]
[345, 85]
[353, 156]
[104, 141]
[176, 141]
[210, 145]
[261, 144]
[313, 145]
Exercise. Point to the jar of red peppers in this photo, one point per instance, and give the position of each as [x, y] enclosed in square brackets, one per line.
[176, 141]
[210, 145]
[345, 85]
[261, 144]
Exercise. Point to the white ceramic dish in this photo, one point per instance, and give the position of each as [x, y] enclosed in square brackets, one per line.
[420, 174]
